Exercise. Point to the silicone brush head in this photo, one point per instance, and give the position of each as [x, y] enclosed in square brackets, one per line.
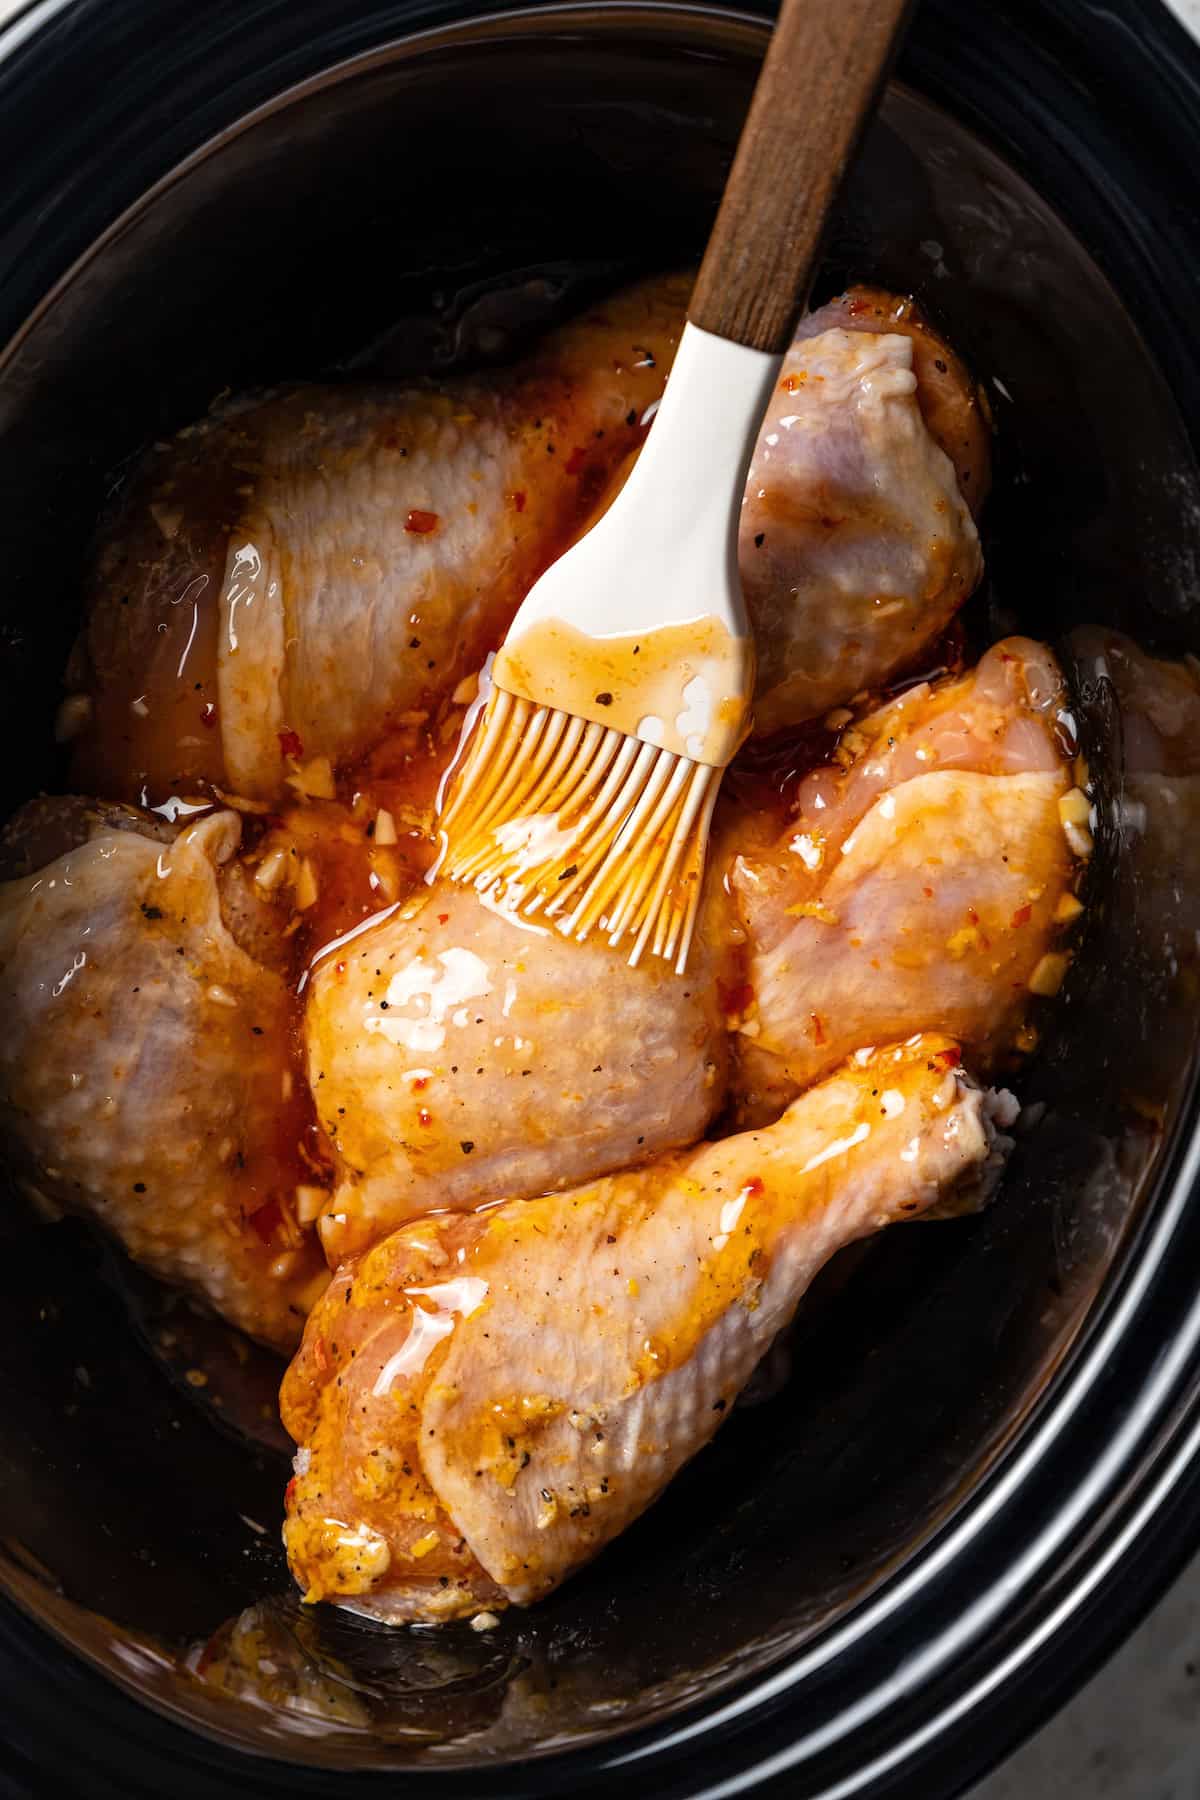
[624, 687]
[591, 828]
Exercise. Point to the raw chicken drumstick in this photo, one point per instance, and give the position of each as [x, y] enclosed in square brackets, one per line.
[144, 1069]
[920, 880]
[290, 579]
[485, 1400]
[458, 1055]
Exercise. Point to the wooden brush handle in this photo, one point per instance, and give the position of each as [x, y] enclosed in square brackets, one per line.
[825, 66]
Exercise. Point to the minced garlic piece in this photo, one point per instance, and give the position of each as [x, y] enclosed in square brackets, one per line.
[1075, 814]
[1047, 977]
[271, 870]
[239, 802]
[314, 779]
[306, 885]
[813, 909]
[309, 1202]
[383, 876]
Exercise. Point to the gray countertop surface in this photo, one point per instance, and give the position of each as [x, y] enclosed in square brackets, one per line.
[1133, 1733]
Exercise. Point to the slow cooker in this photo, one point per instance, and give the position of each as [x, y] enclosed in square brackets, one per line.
[986, 1461]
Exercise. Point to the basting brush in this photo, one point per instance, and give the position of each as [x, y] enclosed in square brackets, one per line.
[623, 688]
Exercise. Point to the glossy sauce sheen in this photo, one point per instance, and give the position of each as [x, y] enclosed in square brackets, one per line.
[659, 686]
[484, 1401]
[313, 585]
[329, 562]
[158, 710]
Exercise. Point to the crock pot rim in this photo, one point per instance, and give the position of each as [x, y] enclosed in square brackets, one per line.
[1164, 1427]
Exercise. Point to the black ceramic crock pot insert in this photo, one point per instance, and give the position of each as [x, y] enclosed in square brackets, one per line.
[982, 1467]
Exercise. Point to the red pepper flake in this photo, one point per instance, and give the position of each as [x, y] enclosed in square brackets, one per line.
[577, 461]
[208, 715]
[1021, 916]
[442, 917]
[948, 1059]
[859, 306]
[928, 893]
[791, 384]
[734, 998]
[266, 1220]
[420, 1083]
[290, 744]
[320, 1355]
[424, 1116]
[421, 523]
[753, 1186]
[972, 915]
[339, 968]
[517, 500]
[289, 1492]
[818, 1029]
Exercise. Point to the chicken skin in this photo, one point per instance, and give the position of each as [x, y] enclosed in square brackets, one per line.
[269, 1041]
[144, 1068]
[288, 579]
[952, 404]
[920, 882]
[458, 1055]
[292, 578]
[857, 544]
[484, 1401]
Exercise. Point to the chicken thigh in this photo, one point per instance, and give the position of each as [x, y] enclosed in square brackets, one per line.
[144, 1069]
[857, 544]
[460, 1055]
[920, 881]
[484, 1401]
[288, 579]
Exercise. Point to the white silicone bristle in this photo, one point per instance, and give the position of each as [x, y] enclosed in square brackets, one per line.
[583, 825]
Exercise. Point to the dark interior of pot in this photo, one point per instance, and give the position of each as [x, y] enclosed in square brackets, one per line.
[438, 204]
